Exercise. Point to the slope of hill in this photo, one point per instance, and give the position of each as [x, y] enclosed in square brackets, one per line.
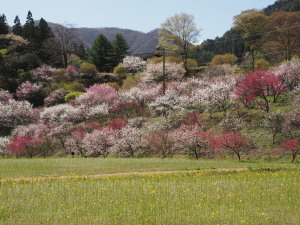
[139, 42]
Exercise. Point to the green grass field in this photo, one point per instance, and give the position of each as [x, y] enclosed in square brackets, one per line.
[41, 167]
[265, 193]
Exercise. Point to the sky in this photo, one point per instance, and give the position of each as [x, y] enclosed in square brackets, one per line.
[213, 17]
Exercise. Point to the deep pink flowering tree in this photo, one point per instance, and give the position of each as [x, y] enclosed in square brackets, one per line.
[255, 88]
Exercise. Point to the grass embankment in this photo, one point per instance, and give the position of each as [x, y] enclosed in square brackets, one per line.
[214, 197]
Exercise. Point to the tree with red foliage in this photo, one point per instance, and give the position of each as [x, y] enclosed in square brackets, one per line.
[292, 146]
[232, 141]
[117, 124]
[255, 88]
[160, 141]
[125, 110]
[191, 119]
[20, 146]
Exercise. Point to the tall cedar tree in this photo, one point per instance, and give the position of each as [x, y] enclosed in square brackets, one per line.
[100, 53]
[120, 48]
[3, 24]
[17, 27]
[29, 31]
[43, 32]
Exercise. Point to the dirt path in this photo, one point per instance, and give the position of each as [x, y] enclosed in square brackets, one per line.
[95, 176]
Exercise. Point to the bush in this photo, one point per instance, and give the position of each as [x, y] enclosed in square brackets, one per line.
[224, 59]
[72, 95]
[87, 69]
[75, 86]
[262, 64]
[120, 71]
[24, 76]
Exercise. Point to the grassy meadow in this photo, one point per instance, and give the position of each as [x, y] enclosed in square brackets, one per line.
[263, 193]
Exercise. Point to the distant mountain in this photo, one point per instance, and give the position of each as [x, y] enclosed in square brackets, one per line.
[283, 5]
[139, 42]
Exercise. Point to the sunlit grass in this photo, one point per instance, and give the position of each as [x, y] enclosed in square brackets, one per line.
[214, 197]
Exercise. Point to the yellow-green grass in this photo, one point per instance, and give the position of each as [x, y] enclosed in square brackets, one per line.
[211, 197]
[41, 167]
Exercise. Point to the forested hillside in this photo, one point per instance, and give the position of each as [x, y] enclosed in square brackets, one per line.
[283, 5]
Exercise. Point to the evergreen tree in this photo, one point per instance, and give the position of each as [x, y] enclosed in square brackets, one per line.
[120, 48]
[79, 50]
[29, 29]
[43, 32]
[17, 28]
[3, 24]
[100, 54]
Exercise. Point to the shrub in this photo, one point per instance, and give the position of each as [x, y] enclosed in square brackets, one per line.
[224, 59]
[262, 64]
[72, 95]
[87, 69]
[120, 71]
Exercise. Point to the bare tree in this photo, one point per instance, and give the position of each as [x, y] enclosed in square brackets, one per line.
[67, 37]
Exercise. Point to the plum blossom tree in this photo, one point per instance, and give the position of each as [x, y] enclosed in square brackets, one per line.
[99, 142]
[165, 104]
[133, 64]
[75, 143]
[62, 113]
[160, 142]
[56, 97]
[154, 72]
[220, 95]
[231, 141]
[61, 132]
[14, 113]
[117, 124]
[72, 72]
[289, 74]
[41, 133]
[292, 146]
[43, 73]
[5, 96]
[20, 146]
[27, 89]
[98, 94]
[188, 139]
[125, 110]
[143, 94]
[129, 141]
[255, 88]
[97, 112]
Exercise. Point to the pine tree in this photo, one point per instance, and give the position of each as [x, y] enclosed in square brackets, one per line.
[17, 28]
[3, 24]
[29, 29]
[100, 53]
[120, 48]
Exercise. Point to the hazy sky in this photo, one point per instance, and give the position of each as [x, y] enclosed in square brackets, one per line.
[213, 17]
